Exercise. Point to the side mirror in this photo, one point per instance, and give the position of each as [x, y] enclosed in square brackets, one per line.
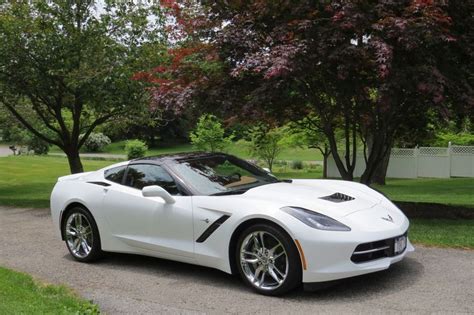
[157, 191]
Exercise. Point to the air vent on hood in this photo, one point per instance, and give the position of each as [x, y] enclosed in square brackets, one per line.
[337, 197]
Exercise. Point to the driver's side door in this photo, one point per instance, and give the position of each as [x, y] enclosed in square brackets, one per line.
[149, 222]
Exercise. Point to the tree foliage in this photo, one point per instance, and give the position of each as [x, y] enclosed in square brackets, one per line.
[368, 68]
[209, 135]
[267, 143]
[307, 134]
[69, 65]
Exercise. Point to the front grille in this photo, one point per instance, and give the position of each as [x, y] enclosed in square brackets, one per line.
[375, 250]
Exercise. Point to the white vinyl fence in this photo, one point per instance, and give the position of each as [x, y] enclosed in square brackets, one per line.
[453, 161]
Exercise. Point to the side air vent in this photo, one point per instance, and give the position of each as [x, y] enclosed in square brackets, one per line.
[99, 183]
[337, 197]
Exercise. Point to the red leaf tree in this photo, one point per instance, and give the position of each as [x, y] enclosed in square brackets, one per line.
[372, 69]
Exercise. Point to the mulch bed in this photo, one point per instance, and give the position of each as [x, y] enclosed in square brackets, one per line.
[424, 210]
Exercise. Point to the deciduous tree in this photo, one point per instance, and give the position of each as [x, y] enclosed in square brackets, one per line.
[365, 67]
[70, 65]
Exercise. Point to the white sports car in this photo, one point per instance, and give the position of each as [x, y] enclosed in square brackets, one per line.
[216, 210]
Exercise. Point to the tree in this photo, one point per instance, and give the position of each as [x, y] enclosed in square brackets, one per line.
[209, 135]
[305, 133]
[361, 66]
[69, 66]
[267, 143]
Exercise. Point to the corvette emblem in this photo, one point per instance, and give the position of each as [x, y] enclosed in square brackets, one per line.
[388, 218]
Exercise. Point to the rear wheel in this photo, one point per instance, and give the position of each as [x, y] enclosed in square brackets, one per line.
[268, 260]
[82, 235]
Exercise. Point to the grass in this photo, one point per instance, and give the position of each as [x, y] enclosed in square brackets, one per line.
[20, 294]
[236, 149]
[452, 191]
[442, 232]
[27, 181]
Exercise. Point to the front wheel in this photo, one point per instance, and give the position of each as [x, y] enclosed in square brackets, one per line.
[82, 235]
[268, 260]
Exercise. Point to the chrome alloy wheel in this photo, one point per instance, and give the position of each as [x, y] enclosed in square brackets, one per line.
[264, 260]
[79, 236]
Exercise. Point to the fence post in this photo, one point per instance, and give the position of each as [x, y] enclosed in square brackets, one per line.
[417, 153]
[449, 157]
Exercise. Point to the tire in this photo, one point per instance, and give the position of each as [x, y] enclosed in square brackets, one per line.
[278, 264]
[81, 235]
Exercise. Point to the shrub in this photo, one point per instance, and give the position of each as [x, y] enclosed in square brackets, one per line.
[462, 138]
[297, 165]
[135, 149]
[280, 163]
[29, 142]
[209, 135]
[38, 145]
[96, 142]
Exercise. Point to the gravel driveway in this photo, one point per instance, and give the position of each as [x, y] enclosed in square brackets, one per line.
[430, 280]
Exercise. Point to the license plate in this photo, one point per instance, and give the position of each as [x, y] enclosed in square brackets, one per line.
[400, 244]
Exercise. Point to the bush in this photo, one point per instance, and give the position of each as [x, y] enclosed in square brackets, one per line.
[297, 165]
[38, 145]
[135, 149]
[30, 142]
[280, 163]
[462, 138]
[96, 142]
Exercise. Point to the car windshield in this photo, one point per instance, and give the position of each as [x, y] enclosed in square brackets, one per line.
[221, 174]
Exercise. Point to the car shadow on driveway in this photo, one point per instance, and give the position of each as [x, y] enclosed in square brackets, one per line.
[397, 278]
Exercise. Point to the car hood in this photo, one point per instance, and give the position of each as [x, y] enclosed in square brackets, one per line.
[314, 195]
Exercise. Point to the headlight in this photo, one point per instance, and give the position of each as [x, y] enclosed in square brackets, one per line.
[316, 220]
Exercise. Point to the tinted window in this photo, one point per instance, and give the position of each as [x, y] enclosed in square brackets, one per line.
[115, 174]
[139, 176]
[221, 174]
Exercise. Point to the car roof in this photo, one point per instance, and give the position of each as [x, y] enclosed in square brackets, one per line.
[175, 157]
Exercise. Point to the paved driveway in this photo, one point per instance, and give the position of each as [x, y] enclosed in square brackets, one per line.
[431, 280]
[5, 151]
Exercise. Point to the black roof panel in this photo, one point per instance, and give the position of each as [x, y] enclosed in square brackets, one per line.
[162, 158]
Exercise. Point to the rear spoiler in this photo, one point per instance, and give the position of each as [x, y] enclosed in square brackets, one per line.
[73, 176]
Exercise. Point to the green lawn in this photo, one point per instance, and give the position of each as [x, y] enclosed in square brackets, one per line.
[20, 294]
[27, 181]
[453, 191]
[236, 149]
[442, 232]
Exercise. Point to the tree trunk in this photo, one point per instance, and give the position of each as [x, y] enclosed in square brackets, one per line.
[381, 171]
[325, 166]
[346, 171]
[377, 161]
[75, 164]
[326, 152]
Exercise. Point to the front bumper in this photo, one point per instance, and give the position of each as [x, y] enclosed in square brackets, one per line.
[328, 261]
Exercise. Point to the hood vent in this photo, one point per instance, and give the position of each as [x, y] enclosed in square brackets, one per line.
[337, 197]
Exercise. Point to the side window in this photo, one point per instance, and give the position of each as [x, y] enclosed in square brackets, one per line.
[141, 175]
[115, 174]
